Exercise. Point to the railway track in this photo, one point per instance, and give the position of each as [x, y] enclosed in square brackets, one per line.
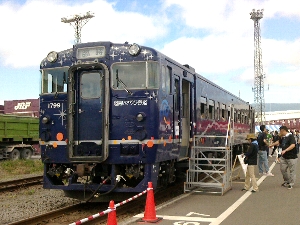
[43, 218]
[124, 212]
[25, 182]
[80, 211]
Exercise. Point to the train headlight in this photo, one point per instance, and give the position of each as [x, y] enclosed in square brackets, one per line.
[45, 120]
[52, 56]
[140, 116]
[134, 49]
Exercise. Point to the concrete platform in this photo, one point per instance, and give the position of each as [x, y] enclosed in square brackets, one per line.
[273, 204]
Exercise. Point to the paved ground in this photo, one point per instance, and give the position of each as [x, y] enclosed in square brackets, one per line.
[273, 204]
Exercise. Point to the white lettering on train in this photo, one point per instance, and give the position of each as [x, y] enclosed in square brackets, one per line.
[130, 102]
[53, 105]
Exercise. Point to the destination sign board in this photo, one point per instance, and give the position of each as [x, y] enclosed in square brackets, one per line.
[91, 52]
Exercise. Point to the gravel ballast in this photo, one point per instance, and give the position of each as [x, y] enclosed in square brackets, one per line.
[30, 201]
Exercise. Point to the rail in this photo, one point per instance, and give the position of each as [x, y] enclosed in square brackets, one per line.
[109, 209]
[123, 214]
[24, 182]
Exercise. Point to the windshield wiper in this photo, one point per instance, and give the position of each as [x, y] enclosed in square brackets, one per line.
[124, 85]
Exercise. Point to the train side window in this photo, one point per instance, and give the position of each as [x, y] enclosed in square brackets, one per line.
[168, 80]
[217, 112]
[163, 78]
[243, 118]
[185, 105]
[177, 95]
[223, 115]
[228, 113]
[211, 109]
[251, 115]
[152, 71]
[203, 108]
[235, 116]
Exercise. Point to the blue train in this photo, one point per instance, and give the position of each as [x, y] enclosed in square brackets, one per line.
[115, 116]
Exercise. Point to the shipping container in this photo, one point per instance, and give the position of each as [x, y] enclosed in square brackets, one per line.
[26, 107]
[18, 134]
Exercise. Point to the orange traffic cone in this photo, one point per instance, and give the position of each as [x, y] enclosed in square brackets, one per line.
[112, 216]
[150, 213]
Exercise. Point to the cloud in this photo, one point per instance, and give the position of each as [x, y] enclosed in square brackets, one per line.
[215, 37]
[212, 54]
[229, 16]
[288, 78]
[287, 8]
[228, 46]
[280, 51]
[34, 29]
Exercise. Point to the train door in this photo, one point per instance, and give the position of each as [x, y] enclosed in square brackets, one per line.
[176, 108]
[185, 119]
[181, 113]
[89, 120]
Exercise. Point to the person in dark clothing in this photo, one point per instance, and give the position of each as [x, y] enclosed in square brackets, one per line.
[297, 138]
[279, 148]
[289, 157]
[263, 152]
[251, 154]
[274, 139]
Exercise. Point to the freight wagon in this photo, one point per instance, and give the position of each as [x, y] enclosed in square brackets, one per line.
[18, 135]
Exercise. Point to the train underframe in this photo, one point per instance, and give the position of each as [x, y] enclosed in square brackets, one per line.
[101, 182]
[98, 182]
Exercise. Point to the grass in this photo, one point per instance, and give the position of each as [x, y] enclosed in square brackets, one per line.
[30, 192]
[20, 167]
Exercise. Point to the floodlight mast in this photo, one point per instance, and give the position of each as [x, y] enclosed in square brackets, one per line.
[78, 21]
[258, 89]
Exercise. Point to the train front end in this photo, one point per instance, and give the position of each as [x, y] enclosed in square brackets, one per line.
[99, 120]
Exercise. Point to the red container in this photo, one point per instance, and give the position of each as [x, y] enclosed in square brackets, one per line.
[26, 107]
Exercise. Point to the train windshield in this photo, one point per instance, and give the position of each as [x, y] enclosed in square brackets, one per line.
[135, 75]
[54, 80]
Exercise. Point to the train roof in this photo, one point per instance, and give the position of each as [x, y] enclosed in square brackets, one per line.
[192, 71]
[67, 57]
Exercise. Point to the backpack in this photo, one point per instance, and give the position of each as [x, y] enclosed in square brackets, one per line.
[256, 148]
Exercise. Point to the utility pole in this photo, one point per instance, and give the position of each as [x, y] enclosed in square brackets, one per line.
[78, 21]
[259, 99]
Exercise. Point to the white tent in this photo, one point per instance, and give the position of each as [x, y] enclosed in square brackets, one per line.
[269, 127]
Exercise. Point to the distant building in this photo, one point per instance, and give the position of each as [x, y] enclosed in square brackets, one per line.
[289, 118]
[26, 107]
[274, 107]
[1, 109]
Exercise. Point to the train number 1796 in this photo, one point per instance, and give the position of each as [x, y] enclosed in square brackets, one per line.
[53, 105]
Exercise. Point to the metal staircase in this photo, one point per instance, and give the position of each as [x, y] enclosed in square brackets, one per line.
[210, 163]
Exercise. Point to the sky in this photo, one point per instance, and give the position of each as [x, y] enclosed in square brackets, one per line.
[215, 37]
